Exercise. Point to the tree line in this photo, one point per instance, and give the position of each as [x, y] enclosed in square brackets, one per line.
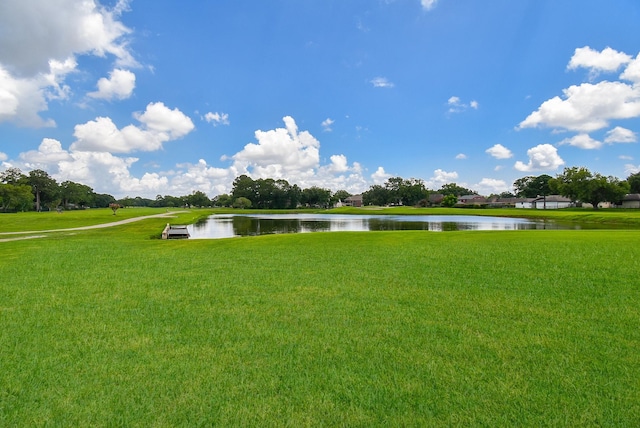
[267, 193]
[37, 190]
[278, 194]
[580, 185]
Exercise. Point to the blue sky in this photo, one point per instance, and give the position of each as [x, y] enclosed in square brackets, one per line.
[146, 98]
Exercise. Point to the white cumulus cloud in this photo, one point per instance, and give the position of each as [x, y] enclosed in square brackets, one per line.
[488, 186]
[583, 141]
[499, 151]
[620, 135]
[108, 173]
[49, 153]
[339, 163]
[293, 155]
[441, 177]
[201, 176]
[65, 28]
[587, 107]
[119, 85]
[23, 98]
[93, 159]
[159, 118]
[632, 72]
[543, 157]
[39, 43]
[159, 125]
[606, 60]
[280, 152]
[380, 176]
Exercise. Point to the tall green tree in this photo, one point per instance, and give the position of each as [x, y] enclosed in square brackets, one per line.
[455, 190]
[412, 191]
[197, 199]
[634, 183]
[376, 195]
[264, 190]
[13, 176]
[571, 183]
[102, 200]
[295, 196]
[15, 197]
[44, 187]
[316, 197]
[281, 195]
[531, 186]
[604, 189]
[394, 190]
[580, 184]
[244, 187]
[76, 193]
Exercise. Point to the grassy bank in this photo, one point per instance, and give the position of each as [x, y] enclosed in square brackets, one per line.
[38, 221]
[34, 221]
[109, 327]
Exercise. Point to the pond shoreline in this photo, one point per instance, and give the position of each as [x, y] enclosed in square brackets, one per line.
[227, 225]
[618, 217]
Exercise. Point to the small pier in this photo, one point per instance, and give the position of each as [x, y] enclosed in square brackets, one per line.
[175, 232]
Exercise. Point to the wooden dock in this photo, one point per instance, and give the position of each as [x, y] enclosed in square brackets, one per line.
[175, 232]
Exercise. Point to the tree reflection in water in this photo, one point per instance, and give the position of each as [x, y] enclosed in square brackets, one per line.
[225, 226]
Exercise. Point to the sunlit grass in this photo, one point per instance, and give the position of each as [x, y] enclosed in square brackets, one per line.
[38, 221]
[109, 327]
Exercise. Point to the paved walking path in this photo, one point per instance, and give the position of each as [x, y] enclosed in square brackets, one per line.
[95, 226]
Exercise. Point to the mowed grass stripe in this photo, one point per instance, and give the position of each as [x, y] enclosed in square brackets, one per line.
[376, 328]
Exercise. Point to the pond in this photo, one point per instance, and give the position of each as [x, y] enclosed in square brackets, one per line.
[230, 225]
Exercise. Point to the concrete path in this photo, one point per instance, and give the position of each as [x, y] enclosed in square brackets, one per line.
[95, 226]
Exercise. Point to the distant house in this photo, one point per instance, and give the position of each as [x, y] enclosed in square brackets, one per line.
[551, 202]
[523, 202]
[472, 200]
[497, 202]
[435, 198]
[353, 201]
[632, 200]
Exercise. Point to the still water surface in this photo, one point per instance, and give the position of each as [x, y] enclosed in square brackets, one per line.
[227, 226]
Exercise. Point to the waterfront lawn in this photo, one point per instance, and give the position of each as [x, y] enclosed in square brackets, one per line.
[48, 220]
[109, 327]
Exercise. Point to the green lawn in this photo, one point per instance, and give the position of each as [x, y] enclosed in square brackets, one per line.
[110, 327]
[12, 222]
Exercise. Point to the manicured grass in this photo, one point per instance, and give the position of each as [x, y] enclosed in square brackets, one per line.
[109, 327]
[12, 222]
